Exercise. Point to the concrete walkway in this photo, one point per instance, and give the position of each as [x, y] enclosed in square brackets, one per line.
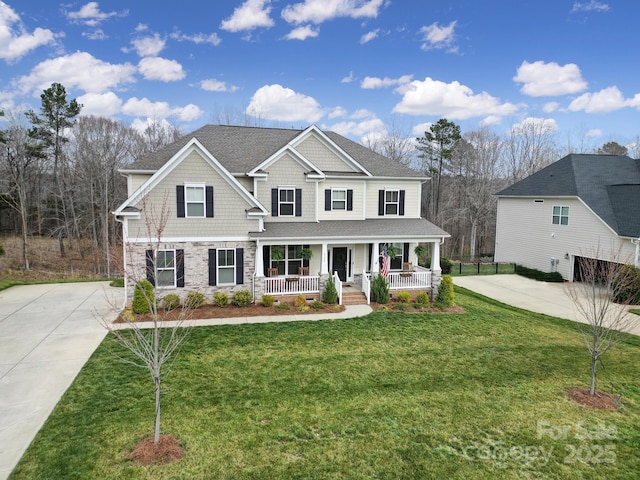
[541, 297]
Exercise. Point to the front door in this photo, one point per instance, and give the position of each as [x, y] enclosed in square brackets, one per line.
[339, 262]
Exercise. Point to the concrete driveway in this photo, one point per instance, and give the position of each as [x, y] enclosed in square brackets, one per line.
[47, 333]
[542, 297]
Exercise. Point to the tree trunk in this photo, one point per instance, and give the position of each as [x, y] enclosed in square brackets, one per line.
[472, 240]
[156, 430]
[594, 363]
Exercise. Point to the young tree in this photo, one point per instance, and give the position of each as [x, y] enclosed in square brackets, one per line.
[605, 323]
[57, 115]
[529, 147]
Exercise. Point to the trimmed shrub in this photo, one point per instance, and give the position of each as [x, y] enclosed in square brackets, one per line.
[194, 300]
[283, 306]
[170, 301]
[422, 298]
[143, 297]
[220, 299]
[400, 307]
[242, 298]
[303, 308]
[300, 301]
[117, 282]
[403, 297]
[268, 300]
[330, 294]
[630, 295]
[380, 289]
[539, 275]
[317, 305]
[445, 292]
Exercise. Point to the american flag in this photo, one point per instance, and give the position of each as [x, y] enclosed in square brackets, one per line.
[385, 262]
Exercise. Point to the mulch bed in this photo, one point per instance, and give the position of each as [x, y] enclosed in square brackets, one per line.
[600, 400]
[167, 450]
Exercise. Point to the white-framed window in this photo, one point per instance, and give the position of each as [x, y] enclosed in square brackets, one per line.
[226, 266]
[286, 201]
[395, 263]
[166, 268]
[194, 196]
[291, 262]
[560, 215]
[339, 199]
[391, 202]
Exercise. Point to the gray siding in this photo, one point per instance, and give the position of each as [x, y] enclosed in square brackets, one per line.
[323, 158]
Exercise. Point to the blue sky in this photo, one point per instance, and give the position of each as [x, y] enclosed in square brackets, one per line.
[358, 67]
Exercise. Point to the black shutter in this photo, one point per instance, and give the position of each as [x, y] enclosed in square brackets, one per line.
[150, 269]
[180, 268]
[349, 199]
[212, 266]
[274, 202]
[381, 202]
[266, 259]
[405, 253]
[401, 207]
[209, 203]
[180, 200]
[327, 199]
[239, 266]
[298, 202]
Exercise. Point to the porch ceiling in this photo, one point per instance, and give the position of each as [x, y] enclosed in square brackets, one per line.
[407, 229]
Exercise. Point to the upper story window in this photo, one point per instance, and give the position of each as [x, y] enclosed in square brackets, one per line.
[560, 215]
[195, 200]
[286, 202]
[391, 202]
[166, 268]
[339, 199]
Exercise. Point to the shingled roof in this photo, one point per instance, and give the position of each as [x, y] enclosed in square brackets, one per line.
[240, 149]
[608, 184]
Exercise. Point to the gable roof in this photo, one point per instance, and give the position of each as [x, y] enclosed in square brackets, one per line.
[608, 184]
[242, 149]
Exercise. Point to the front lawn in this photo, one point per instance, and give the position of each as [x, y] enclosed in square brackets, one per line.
[391, 395]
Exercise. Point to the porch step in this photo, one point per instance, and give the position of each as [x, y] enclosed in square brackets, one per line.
[353, 298]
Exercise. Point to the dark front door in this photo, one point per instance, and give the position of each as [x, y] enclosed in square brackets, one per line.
[340, 262]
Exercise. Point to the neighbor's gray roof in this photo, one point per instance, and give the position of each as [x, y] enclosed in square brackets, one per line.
[396, 228]
[241, 149]
[608, 184]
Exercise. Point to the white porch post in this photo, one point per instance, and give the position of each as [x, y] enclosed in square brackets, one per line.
[435, 257]
[259, 267]
[324, 260]
[375, 264]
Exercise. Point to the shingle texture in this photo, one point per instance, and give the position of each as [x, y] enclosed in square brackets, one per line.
[608, 184]
[241, 149]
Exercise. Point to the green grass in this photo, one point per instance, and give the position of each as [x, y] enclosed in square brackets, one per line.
[387, 396]
[12, 282]
[635, 311]
[458, 269]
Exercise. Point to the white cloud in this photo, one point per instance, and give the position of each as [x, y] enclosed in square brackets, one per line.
[530, 124]
[80, 70]
[91, 15]
[338, 112]
[97, 34]
[451, 100]
[148, 46]
[146, 108]
[606, 100]
[318, 11]
[100, 104]
[348, 79]
[142, 27]
[367, 37]
[592, 6]
[15, 41]
[212, 85]
[550, 107]
[437, 37]
[248, 16]
[490, 120]
[302, 33]
[549, 79]
[419, 129]
[198, 38]
[365, 128]
[157, 68]
[594, 132]
[375, 82]
[274, 102]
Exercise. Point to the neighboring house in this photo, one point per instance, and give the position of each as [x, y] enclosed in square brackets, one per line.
[570, 209]
[234, 196]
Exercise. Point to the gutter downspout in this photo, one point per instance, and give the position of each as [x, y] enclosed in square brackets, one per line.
[636, 242]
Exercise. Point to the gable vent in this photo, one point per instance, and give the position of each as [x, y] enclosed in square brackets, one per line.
[538, 200]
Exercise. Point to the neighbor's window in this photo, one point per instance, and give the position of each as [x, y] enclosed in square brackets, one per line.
[194, 200]
[391, 202]
[226, 265]
[286, 201]
[560, 215]
[166, 268]
[338, 199]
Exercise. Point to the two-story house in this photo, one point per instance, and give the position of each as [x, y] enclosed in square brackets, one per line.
[241, 206]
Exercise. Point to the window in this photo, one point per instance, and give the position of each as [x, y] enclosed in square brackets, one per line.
[338, 199]
[396, 262]
[560, 215]
[166, 268]
[286, 202]
[194, 199]
[391, 202]
[291, 262]
[226, 266]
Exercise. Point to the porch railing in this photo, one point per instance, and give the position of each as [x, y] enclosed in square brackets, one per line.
[366, 285]
[409, 280]
[292, 285]
[338, 283]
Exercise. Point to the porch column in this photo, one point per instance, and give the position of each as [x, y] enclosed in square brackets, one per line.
[324, 260]
[435, 257]
[375, 256]
[259, 267]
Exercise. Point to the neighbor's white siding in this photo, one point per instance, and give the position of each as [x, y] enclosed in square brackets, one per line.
[526, 235]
